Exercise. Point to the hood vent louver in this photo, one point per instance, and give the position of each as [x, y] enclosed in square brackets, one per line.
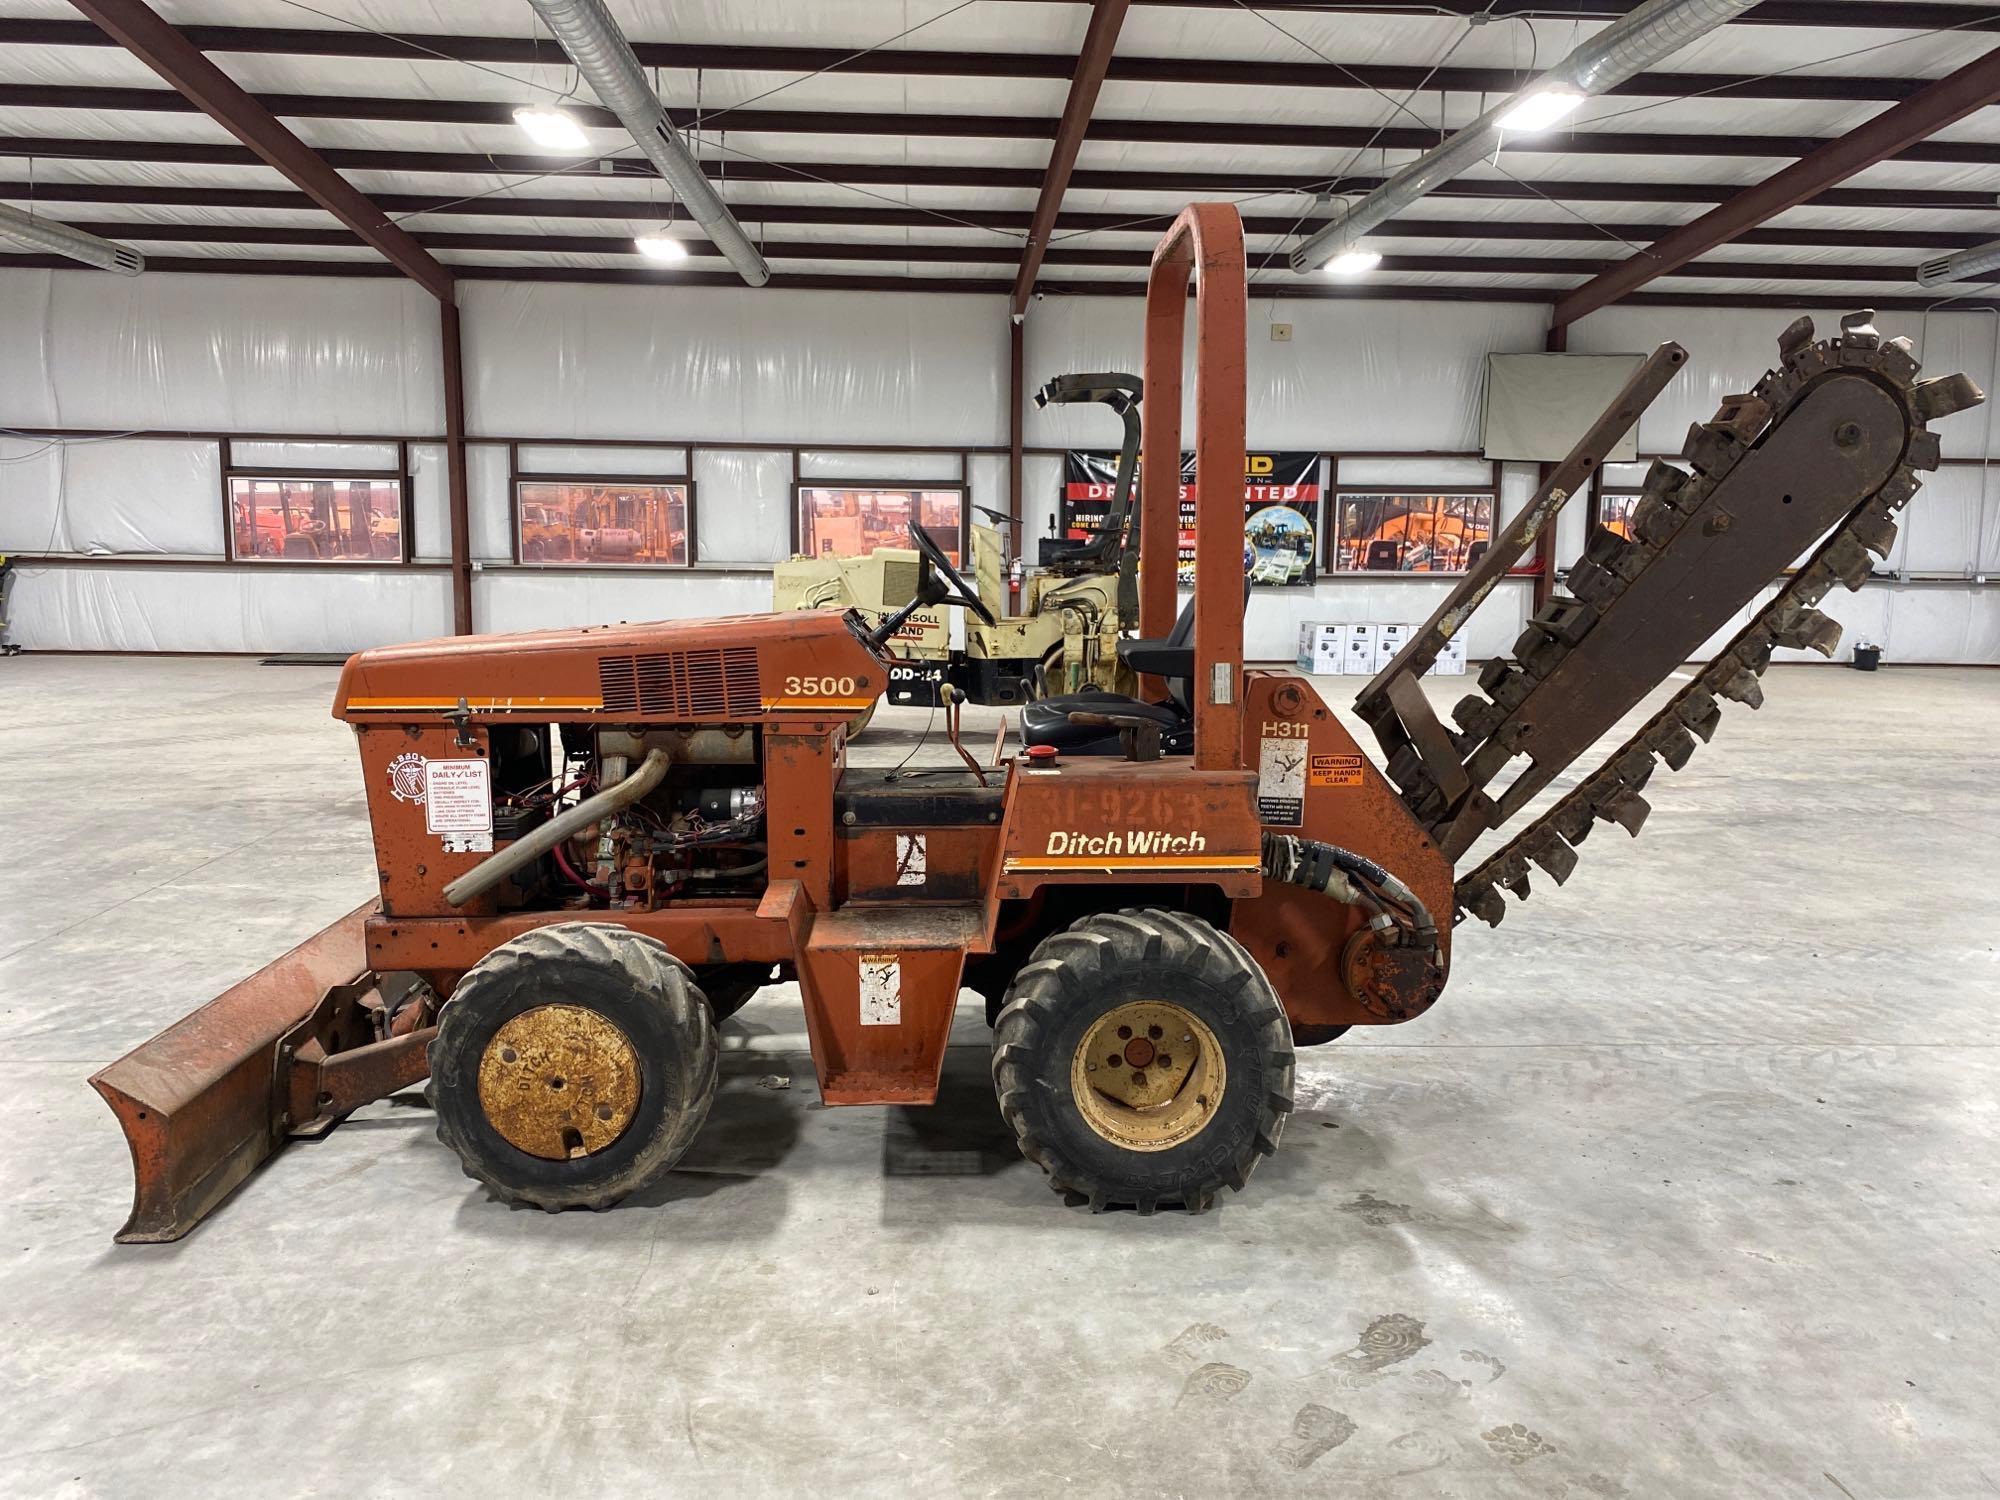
[718, 683]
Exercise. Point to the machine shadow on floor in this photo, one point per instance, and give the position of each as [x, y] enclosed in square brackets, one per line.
[751, 1128]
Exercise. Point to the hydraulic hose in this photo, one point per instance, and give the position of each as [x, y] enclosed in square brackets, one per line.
[491, 871]
[1346, 877]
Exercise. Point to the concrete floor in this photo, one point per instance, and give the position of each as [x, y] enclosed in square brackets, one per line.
[1687, 1187]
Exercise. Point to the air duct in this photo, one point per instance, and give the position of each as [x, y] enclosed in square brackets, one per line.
[1964, 265]
[601, 53]
[47, 234]
[1636, 41]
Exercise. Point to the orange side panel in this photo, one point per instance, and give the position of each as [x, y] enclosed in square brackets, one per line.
[1298, 935]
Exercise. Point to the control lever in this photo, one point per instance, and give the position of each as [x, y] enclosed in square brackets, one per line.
[954, 702]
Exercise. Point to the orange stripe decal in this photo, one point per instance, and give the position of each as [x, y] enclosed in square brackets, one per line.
[1154, 862]
[477, 705]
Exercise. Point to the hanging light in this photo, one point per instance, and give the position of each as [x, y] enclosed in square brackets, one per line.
[1538, 109]
[1354, 263]
[661, 246]
[550, 128]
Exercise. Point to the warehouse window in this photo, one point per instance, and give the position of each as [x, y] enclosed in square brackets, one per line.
[1410, 531]
[847, 520]
[1614, 510]
[603, 521]
[347, 517]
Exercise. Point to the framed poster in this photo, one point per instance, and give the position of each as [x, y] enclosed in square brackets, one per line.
[1281, 511]
[845, 519]
[599, 521]
[1410, 531]
[344, 520]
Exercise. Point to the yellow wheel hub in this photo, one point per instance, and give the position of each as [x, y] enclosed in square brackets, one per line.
[1148, 1075]
[559, 1081]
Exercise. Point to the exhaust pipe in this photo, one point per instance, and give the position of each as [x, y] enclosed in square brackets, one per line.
[524, 851]
[601, 53]
[1627, 46]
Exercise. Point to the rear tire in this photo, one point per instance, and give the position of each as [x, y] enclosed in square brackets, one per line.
[573, 1066]
[1085, 1068]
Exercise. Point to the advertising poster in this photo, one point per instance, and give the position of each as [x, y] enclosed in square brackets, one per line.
[1281, 511]
[1406, 532]
[322, 520]
[837, 521]
[603, 521]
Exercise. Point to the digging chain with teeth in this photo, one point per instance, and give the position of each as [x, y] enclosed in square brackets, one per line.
[1611, 564]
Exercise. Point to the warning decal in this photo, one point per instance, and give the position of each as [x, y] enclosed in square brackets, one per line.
[881, 989]
[1281, 780]
[1335, 770]
[458, 798]
[910, 859]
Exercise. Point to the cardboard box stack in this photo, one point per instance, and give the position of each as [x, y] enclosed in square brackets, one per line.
[1363, 648]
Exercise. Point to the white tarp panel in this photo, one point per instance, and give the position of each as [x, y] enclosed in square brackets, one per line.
[1538, 406]
[225, 609]
[490, 505]
[749, 365]
[631, 463]
[307, 459]
[938, 468]
[129, 495]
[1360, 375]
[218, 353]
[529, 599]
[429, 503]
[743, 503]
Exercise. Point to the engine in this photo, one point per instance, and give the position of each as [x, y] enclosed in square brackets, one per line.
[698, 832]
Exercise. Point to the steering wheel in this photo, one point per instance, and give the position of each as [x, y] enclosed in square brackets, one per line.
[960, 592]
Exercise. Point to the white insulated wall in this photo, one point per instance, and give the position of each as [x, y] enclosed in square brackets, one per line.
[330, 356]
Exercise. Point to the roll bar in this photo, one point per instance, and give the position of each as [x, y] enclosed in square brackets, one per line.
[1205, 244]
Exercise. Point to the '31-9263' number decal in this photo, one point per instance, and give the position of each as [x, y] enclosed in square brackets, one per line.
[820, 687]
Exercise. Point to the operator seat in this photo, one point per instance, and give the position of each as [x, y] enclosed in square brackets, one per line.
[1046, 720]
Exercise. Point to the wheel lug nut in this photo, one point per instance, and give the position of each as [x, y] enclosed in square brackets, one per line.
[1138, 1077]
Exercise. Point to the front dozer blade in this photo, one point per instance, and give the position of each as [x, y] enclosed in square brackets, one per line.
[201, 1103]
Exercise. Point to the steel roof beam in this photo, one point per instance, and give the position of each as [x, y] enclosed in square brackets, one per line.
[976, 126]
[513, 207]
[1951, 98]
[1106, 16]
[134, 26]
[1894, 15]
[1174, 183]
[973, 254]
[1396, 78]
[1288, 289]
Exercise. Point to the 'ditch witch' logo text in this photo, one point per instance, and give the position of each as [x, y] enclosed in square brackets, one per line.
[1133, 841]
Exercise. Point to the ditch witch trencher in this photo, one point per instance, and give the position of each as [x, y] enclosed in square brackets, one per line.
[593, 844]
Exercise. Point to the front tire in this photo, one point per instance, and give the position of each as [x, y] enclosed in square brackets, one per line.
[573, 1066]
[1143, 1060]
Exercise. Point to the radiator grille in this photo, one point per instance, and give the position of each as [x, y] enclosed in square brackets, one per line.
[721, 683]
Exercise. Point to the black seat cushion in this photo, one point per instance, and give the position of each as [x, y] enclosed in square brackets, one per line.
[1046, 721]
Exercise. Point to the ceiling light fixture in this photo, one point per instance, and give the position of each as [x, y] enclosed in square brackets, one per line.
[661, 247]
[1538, 109]
[1354, 263]
[550, 128]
